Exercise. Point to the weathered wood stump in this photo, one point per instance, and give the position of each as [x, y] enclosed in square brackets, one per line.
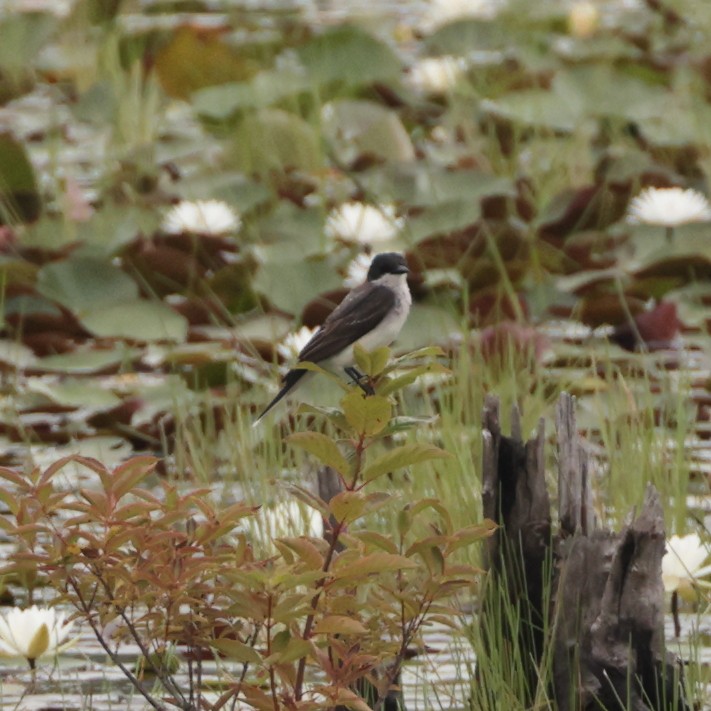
[585, 605]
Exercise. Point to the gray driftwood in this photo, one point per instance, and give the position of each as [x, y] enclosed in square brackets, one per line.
[604, 619]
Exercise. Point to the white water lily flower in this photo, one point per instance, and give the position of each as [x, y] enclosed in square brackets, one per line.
[358, 222]
[583, 19]
[202, 217]
[436, 75]
[357, 271]
[34, 632]
[682, 564]
[668, 207]
[291, 344]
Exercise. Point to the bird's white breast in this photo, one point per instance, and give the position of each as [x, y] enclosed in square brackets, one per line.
[389, 328]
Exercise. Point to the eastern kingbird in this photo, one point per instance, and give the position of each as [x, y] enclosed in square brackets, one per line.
[372, 315]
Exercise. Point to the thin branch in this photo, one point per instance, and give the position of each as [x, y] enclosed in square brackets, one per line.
[112, 655]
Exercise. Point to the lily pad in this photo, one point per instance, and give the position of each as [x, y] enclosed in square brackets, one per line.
[85, 284]
[364, 128]
[289, 281]
[74, 392]
[220, 103]
[195, 58]
[427, 324]
[137, 320]
[85, 361]
[275, 140]
[349, 55]
[421, 185]
[443, 218]
[460, 37]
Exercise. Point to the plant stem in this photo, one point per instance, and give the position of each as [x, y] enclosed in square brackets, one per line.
[89, 616]
[335, 532]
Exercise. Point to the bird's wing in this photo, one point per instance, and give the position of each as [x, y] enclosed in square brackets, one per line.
[359, 313]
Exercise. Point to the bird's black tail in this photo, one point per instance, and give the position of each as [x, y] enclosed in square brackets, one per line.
[290, 381]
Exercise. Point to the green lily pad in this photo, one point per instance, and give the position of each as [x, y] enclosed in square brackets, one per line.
[85, 361]
[296, 230]
[460, 37]
[73, 392]
[356, 128]
[289, 281]
[274, 140]
[349, 55]
[443, 218]
[427, 324]
[431, 185]
[220, 103]
[112, 227]
[137, 320]
[85, 284]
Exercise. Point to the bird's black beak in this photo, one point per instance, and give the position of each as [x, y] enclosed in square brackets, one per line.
[402, 269]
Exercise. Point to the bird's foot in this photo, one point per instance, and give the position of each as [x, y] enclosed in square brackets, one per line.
[362, 381]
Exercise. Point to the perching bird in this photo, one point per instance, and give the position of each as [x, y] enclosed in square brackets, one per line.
[372, 315]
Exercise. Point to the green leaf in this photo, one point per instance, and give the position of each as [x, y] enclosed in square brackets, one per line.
[19, 195]
[74, 392]
[275, 140]
[434, 560]
[404, 456]
[85, 284]
[266, 89]
[357, 128]
[371, 363]
[288, 279]
[323, 448]
[402, 381]
[348, 569]
[366, 415]
[295, 649]
[137, 320]
[426, 352]
[131, 473]
[86, 361]
[308, 498]
[234, 649]
[471, 534]
[304, 549]
[459, 36]
[349, 55]
[377, 539]
[339, 624]
[347, 506]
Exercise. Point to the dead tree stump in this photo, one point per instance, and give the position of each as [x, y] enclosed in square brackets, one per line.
[587, 603]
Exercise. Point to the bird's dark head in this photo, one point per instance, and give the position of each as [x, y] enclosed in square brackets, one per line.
[387, 263]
